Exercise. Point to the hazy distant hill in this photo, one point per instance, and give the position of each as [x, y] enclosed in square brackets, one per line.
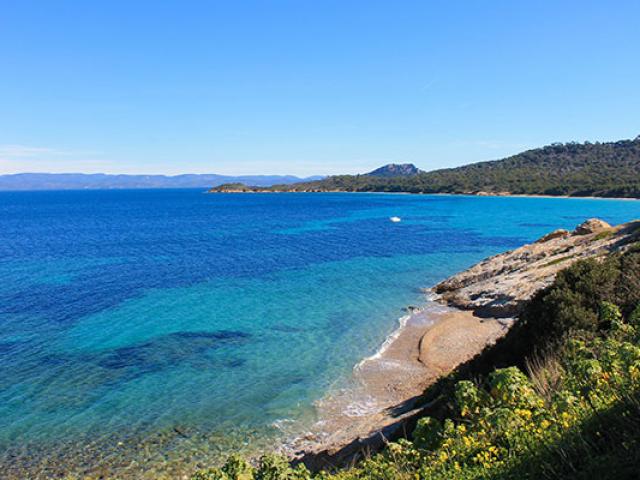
[395, 170]
[588, 169]
[74, 181]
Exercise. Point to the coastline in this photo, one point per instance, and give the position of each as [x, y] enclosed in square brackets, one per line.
[387, 387]
[443, 194]
[467, 312]
[529, 195]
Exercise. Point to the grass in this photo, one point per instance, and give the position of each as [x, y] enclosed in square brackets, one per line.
[557, 261]
[602, 235]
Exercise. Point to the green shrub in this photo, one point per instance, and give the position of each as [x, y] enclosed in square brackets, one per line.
[276, 467]
[237, 468]
[428, 433]
[609, 316]
[634, 317]
[210, 474]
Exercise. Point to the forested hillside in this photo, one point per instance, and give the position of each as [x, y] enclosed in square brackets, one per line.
[575, 169]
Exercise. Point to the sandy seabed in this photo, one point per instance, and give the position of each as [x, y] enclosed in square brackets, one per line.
[385, 387]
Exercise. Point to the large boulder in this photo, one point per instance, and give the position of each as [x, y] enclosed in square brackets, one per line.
[593, 225]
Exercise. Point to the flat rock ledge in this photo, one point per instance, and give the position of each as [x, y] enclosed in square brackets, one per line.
[498, 286]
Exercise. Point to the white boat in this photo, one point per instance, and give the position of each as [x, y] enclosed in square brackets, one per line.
[395, 219]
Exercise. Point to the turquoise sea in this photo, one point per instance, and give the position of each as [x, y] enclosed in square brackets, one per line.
[157, 329]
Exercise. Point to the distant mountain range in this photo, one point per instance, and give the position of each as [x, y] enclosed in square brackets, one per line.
[609, 169]
[78, 181]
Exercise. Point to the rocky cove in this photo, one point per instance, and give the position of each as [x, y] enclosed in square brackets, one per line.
[460, 316]
[465, 313]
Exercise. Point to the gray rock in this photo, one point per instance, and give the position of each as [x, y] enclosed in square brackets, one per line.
[561, 232]
[497, 286]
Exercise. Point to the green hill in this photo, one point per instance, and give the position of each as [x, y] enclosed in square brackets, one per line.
[396, 170]
[575, 169]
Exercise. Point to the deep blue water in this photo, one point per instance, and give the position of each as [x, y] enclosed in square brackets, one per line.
[128, 313]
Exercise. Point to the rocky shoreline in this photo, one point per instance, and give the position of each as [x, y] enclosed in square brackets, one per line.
[471, 310]
[497, 286]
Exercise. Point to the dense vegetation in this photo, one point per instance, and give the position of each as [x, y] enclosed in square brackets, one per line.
[395, 170]
[589, 169]
[564, 404]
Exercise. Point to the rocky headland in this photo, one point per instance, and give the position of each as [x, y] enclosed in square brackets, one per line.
[497, 286]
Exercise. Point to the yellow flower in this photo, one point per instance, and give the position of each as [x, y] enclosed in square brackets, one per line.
[524, 413]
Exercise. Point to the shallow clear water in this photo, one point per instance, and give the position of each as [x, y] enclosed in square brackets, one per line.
[128, 313]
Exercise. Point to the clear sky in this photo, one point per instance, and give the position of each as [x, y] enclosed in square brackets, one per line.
[308, 87]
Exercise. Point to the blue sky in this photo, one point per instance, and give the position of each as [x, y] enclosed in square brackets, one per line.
[308, 87]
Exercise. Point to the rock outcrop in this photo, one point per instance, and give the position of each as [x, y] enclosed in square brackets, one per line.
[593, 225]
[497, 286]
[560, 233]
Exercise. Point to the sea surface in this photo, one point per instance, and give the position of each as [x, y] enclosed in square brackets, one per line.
[149, 330]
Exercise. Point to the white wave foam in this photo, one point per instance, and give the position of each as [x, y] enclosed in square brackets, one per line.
[281, 424]
[431, 306]
[361, 408]
[387, 342]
